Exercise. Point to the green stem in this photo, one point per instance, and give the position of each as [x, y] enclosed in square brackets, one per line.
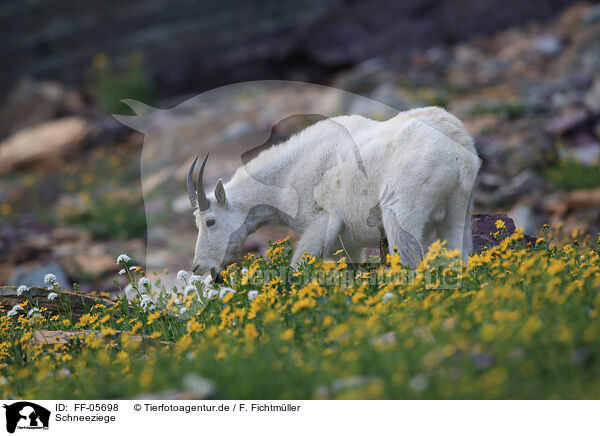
[344, 248]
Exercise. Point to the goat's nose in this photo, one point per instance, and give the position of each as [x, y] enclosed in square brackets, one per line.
[195, 268]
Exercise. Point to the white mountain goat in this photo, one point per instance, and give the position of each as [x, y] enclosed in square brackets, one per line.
[346, 180]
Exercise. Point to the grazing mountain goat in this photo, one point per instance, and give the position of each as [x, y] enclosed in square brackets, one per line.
[346, 180]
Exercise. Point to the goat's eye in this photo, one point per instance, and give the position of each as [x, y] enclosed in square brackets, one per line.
[210, 222]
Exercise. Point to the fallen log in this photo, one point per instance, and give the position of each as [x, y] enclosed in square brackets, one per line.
[44, 337]
[79, 302]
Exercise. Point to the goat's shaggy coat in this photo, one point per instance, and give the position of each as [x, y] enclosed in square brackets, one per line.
[350, 178]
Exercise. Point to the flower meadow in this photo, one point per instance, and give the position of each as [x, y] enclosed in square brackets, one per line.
[521, 321]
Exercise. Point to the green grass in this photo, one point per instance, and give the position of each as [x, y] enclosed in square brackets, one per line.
[114, 219]
[509, 110]
[570, 175]
[109, 83]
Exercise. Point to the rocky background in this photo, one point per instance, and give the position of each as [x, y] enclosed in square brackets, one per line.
[525, 80]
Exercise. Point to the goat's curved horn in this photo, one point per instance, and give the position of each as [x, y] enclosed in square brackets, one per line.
[190, 186]
[203, 202]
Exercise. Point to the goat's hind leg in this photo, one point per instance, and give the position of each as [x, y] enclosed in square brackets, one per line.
[455, 228]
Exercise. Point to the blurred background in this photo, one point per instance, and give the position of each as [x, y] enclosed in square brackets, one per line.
[524, 76]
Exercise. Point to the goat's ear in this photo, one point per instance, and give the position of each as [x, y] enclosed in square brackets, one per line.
[220, 193]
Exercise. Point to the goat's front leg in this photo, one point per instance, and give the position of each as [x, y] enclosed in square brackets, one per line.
[318, 238]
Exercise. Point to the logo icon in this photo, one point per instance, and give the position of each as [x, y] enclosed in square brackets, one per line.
[26, 415]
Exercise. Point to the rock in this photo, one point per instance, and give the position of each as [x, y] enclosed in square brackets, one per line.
[156, 206]
[92, 264]
[560, 204]
[34, 275]
[490, 180]
[567, 121]
[8, 238]
[592, 97]
[584, 138]
[32, 102]
[524, 183]
[181, 204]
[585, 218]
[61, 235]
[537, 98]
[524, 217]
[581, 80]
[586, 154]
[363, 78]
[549, 45]
[592, 15]
[157, 179]
[524, 152]
[44, 146]
[390, 95]
[483, 225]
[237, 130]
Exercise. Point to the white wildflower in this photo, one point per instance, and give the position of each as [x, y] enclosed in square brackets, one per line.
[145, 297]
[182, 275]
[244, 271]
[123, 258]
[144, 281]
[387, 296]
[147, 303]
[122, 271]
[207, 280]
[176, 301]
[418, 383]
[32, 311]
[196, 279]
[132, 267]
[224, 291]
[11, 312]
[50, 279]
[52, 295]
[189, 289]
[212, 293]
[183, 310]
[252, 295]
[22, 289]
[17, 307]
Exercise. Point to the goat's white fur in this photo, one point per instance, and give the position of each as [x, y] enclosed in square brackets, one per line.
[424, 157]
